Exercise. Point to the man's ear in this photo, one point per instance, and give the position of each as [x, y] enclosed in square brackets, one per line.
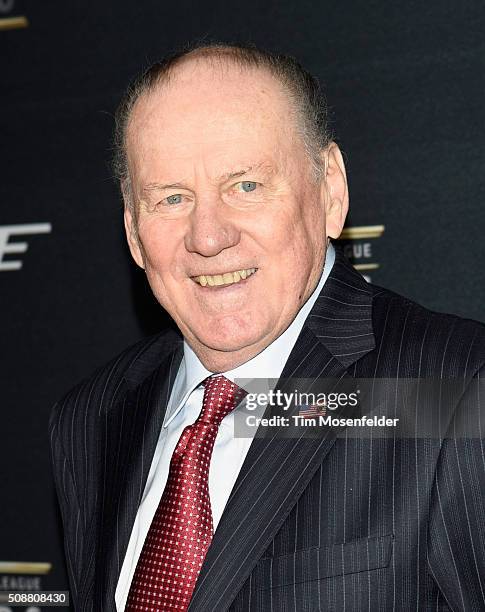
[334, 190]
[131, 228]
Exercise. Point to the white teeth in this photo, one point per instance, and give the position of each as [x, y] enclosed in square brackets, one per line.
[228, 278]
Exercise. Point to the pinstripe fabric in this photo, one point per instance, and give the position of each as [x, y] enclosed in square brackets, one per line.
[336, 523]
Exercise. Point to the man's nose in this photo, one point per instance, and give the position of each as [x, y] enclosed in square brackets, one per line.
[210, 230]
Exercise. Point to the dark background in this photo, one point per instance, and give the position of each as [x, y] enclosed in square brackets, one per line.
[405, 82]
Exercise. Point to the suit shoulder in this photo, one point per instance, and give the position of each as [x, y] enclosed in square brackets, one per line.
[97, 392]
[440, 334]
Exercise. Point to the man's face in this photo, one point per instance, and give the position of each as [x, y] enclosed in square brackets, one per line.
[230, 225]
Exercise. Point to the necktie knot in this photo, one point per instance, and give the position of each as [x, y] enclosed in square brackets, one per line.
[221, 396]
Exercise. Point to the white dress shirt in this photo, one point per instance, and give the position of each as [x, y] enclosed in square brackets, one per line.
[229, 452]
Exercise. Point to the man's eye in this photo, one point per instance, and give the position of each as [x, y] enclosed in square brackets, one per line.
[247, 186]
[174, 199]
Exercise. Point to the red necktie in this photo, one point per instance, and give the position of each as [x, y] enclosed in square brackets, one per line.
[182, 529]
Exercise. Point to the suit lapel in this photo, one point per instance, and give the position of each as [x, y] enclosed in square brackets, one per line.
[276, 471]
[128, 439]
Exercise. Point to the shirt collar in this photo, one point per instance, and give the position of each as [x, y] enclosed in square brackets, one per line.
[268, 364]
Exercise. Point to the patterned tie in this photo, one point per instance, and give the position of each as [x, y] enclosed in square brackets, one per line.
[182, 528]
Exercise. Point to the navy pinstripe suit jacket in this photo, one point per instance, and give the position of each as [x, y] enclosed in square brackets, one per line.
[331, 523]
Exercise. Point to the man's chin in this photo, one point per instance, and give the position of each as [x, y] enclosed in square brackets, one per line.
[223, 343]
[228, 344]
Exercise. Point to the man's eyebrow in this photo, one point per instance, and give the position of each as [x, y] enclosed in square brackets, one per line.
[159, 186]
[262, 166]
[265, 166]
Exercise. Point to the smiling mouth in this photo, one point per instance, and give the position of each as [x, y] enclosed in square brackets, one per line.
[228, 278]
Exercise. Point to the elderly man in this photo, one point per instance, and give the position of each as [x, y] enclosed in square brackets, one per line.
[233, 190]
